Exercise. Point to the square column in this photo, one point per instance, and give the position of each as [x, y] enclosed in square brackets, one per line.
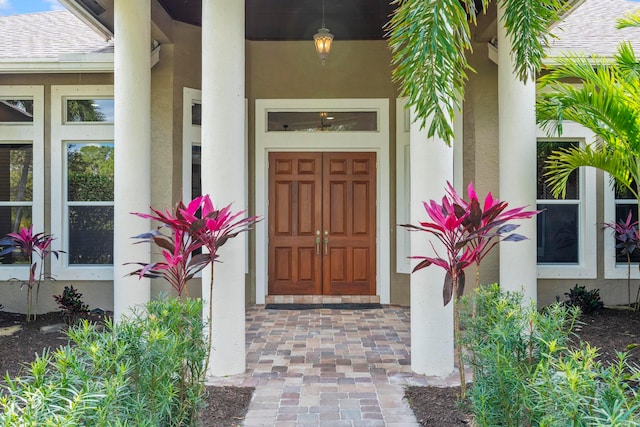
[223, 157]
[517, 160]
[132, 158]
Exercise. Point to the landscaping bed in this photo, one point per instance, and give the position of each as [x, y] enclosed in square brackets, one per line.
[225, 406]
[611, 330]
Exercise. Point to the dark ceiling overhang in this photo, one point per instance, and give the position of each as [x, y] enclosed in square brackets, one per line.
[278, 20]
[299, 19]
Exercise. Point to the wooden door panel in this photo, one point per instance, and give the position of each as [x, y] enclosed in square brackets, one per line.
[349, 182]
[295, 186]
[327, 192]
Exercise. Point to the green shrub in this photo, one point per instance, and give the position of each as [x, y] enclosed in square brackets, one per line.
[524, 374]
[574, 389]
[588, 301]
[147, 370]
[71, 304]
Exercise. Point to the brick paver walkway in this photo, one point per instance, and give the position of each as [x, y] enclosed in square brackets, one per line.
[327, 367]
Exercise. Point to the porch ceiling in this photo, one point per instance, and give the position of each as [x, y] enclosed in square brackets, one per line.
[280, 20]
[299, 19]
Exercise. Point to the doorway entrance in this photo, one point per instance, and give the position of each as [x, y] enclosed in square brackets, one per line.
[322, 223]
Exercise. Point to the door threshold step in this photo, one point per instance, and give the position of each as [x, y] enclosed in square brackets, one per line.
[322, 299]
[332, 306]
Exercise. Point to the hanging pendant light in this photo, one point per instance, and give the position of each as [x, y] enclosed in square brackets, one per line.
[323, 39]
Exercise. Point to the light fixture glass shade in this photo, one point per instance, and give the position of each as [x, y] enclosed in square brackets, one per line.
[322, 40]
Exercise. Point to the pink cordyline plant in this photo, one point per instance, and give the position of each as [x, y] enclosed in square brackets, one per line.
[179, 248]
[199, 225]
[35, 248]
[467, 233]
[628, 237]
[486, 226]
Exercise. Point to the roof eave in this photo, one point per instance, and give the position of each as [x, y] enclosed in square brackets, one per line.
[65, 63]
[89, 19]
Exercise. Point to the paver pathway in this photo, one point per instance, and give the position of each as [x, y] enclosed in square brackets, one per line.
[325, 367]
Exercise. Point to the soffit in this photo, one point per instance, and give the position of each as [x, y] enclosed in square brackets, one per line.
[280, 20]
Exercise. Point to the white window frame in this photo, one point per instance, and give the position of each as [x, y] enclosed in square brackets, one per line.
[21, 133]
[63, 132]
[403, 178]
[613, 269]
[586, 267]
[191, 136]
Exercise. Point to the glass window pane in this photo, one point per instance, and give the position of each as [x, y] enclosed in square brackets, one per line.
[90, 171]
[622, 211]
[557, 233]
[545, 148]
[317, 121]
[90, 110]
[16, 110]
[12, 219]
[16, 172]
[196, 113]
[624, 193]
[90, 235]
[196, 177]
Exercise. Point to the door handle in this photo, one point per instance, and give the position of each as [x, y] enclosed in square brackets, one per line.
[326, 242]
[317, 242]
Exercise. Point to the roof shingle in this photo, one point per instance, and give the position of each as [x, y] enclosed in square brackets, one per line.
[48, 35]
[591, 29]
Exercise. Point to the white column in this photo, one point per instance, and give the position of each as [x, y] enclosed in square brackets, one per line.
[223, 177]
[132, 188]
[517, 142]
[432, 351]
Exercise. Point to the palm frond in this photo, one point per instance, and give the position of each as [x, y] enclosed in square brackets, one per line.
[429, 40]
[630, 20]
[562, 162]
[527, 23]
[605, 101]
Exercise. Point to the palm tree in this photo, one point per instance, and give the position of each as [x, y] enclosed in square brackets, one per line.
[606, 102]
[430, 38]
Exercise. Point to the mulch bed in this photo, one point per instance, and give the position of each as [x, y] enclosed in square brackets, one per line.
[611, 330]
[225, 406]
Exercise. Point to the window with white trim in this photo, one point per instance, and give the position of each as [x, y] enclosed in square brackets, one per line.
[82, 164]
[559, 219]
[88, 210]
[617, 204]
[566, 228]
[21, 168]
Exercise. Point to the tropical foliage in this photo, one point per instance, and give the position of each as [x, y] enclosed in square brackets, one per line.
[430, 41]
[526, 373]
[146, 370]
[35, 248]
[192, 227]
[467, 232]
[628, 240]
[601, 95]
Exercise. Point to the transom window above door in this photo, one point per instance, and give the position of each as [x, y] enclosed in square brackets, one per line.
[322, 121]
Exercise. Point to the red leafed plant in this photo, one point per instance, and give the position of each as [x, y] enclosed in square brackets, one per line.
[467, 232]
[628, 237]
[192, 227]
[35, 248]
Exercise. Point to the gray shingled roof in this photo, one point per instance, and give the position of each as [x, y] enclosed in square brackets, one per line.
[591, 29]
[48, 35]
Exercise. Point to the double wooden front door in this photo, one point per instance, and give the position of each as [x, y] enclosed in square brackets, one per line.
[322, 223]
